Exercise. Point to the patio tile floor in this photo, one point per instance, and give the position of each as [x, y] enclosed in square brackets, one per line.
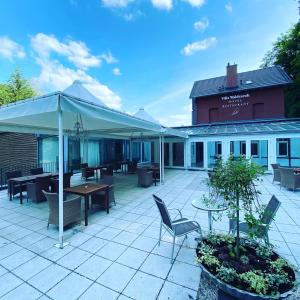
[117, 256]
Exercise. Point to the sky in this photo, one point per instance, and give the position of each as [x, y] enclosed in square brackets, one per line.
[138, 53]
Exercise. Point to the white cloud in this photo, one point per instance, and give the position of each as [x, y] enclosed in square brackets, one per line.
[229, 7]
[162, 4]
[202, 45]
[116, 3]
[55, 76]
[201, 24]
[195, 3]
[116, 72]
[76, 52]
[9, 49]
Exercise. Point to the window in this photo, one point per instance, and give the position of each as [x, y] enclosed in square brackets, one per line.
[283, 148]
[218, 148]
[254, 148]
[243, 148]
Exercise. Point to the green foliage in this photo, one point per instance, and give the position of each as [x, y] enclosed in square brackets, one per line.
[244, 259]
[277, 279]
[286, 52]
[257, 282]
[206, 249]
[217, 239]
[264, 252]
[234, 180]
[278, 264]
[209, 260]
[17, 88]
[227, 274]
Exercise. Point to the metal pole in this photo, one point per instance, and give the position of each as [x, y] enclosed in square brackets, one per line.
[160, 157]
[163, 159]
[130, 150]
[141, 149]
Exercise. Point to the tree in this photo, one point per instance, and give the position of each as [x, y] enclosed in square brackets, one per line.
[286, 52]
[17, 88]
[234, 180]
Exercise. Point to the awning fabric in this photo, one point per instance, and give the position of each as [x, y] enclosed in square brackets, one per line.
[40, 115]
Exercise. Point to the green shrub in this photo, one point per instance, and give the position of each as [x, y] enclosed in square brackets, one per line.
[277, 279]
[206, 249]
[227, 274]
[257, 282]
[278, 264]
[209, 260]
[264, 252]
[244, 259]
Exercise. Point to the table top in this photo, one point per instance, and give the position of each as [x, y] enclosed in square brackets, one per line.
[86, 189]
[218, 205]
[32, 177]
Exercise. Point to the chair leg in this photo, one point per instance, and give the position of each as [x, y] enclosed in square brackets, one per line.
[48, 226]
[159, 233]
[173, 249]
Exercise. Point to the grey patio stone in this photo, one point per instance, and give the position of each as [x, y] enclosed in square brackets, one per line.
[23, 292]
[70, 287]
[185, 275]
[116, 277]
[55, 253]
[156, 265]
[93, 245]
[32, 267]
[144, 243]
[74, 258]
[173, 291]
[93, 267]
[17, 259]
[111, 250]
[143, 286]
[125, 238]
[97, 291]
[49, 277]
[164, 249]
[9, 249]
[108, 233]
[8, 282]
[132, 257]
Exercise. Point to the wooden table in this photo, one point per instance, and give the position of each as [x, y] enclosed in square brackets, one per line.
[85, 190]
[24, 179]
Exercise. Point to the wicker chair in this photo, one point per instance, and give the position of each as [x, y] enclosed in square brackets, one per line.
[55, 182]
[35, 189]
[176, 228]
[145, 177]
[276, 172]
[289, 179]
[99, 198]
[87, 173]
[132, 167]
[36, 171]
[12, 188]
[266, 220]
[72, 209]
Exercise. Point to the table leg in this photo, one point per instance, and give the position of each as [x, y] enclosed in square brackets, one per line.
[107, 200]
[21, 194]
[10, 189]
[210, 221]
[86, 209]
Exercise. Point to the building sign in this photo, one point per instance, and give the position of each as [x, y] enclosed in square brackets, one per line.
[235, 102]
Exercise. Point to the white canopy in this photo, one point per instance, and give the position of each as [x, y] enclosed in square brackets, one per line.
[40, 115]
[142, 114]
[54, 113]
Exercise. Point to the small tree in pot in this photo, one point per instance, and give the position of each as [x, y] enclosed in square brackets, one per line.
[234, 180]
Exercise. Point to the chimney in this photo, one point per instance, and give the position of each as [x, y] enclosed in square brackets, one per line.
[231, 76]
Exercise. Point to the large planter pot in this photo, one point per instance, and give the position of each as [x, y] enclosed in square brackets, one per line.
[229, 292]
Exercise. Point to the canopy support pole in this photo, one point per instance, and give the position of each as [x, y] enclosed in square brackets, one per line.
[130, 150]
[160, 160]
[163, 159]
[61, 181]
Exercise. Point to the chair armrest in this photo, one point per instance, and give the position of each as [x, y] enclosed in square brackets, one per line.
[177, 210]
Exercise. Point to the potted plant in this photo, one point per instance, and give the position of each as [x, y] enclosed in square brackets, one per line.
[243, 268]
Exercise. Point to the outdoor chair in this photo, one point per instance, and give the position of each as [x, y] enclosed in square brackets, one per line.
[266, 220]
[36, 171]
[87, 173]
[176, 228]
[108, 171]
[145, 177]
[132, 167]
[289, 179]
[276, 172]
[98, 198]
[35, 189]
[117, 167]
[72, 209]
[12, 188]
[55, 182]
